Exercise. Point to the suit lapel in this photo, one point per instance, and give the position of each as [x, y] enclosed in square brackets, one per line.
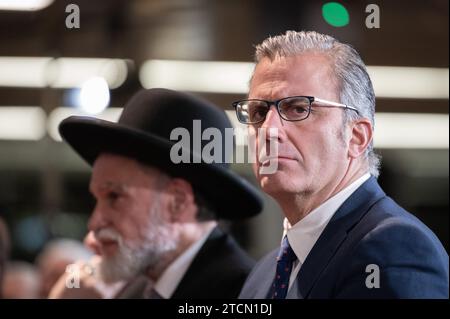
[351, 211]
[264, 283]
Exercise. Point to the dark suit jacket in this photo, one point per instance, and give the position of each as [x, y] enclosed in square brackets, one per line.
[369, 228]
[218, 271]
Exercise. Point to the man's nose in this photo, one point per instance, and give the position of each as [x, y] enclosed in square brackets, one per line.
[273, 125]
[98, 218]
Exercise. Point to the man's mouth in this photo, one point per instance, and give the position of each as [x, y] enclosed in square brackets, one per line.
[265, 161]
[108, 246]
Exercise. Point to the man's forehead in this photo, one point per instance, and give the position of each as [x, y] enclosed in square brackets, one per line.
[113, 184]
[308, 61]
[110, 185]
[118, 173]
[302, 74]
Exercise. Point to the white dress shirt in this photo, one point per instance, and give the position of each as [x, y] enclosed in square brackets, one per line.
[167, 283]
[303, 235]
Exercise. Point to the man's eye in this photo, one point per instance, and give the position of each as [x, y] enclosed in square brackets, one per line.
[294, 111]
[113, 196]
[298, 109]
[259, 112]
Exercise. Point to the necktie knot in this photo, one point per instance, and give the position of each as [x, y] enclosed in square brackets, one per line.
[286, 253]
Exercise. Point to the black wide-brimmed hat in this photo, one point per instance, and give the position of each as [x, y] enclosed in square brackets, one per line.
[143, 132]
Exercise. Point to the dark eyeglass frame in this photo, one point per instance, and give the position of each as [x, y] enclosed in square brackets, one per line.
[311, 99]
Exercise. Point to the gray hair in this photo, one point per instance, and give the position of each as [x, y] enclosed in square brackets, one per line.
[353, 82]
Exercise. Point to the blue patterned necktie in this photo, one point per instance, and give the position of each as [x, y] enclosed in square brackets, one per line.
[285, 261]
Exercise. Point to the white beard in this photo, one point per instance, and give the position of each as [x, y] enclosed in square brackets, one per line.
[132, 259]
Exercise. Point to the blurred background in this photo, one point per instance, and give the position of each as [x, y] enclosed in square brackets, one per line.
[49, 71]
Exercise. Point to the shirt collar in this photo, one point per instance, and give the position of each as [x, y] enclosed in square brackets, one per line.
[304, 234]
[167, 283]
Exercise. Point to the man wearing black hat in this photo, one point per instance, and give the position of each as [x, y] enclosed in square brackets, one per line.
[156, 219]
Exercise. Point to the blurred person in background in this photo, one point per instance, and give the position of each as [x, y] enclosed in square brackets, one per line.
[21, 281]
[55, 257]
[4, 250]
[155, 221]
[346, 238]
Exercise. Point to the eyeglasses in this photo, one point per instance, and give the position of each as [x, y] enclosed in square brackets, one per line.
[292, 108]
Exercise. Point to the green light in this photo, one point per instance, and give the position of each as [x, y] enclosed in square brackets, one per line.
[335, 14]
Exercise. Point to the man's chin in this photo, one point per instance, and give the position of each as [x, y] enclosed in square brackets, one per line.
[117, 267]
[272, 181]
[276, 184]
[272, 189]
[109, 250]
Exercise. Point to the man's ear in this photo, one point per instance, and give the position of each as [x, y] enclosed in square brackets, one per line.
[361, 136]
[181, 204]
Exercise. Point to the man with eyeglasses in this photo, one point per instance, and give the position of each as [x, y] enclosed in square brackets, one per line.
[345, 238]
